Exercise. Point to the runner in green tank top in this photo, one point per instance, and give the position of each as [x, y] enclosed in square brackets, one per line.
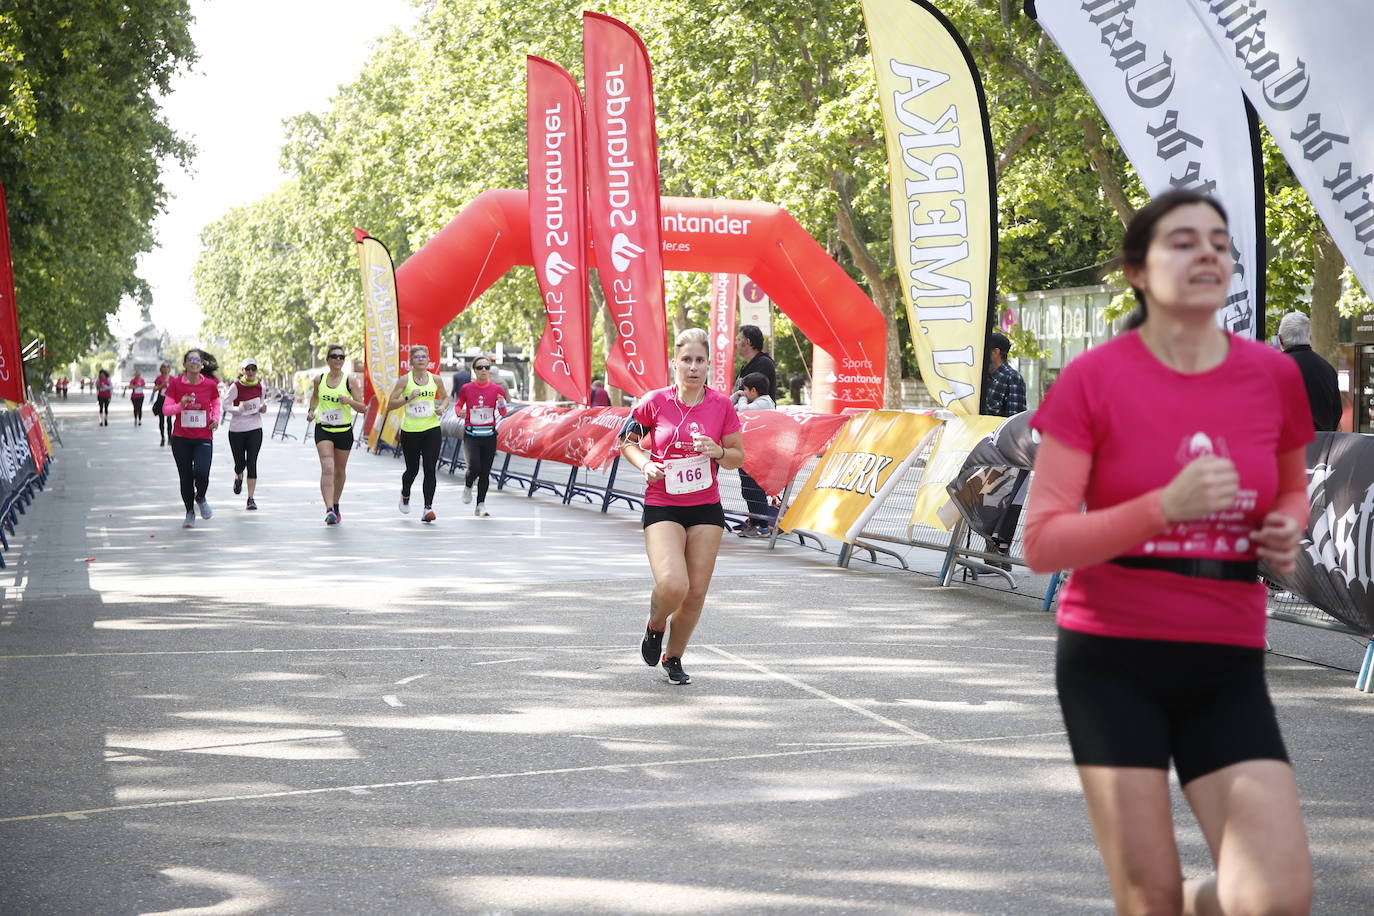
[332, 403]
[422, 394]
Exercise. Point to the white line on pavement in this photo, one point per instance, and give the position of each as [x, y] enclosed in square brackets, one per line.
[816, 691]
[483, 777]
[392, 700]
[413, 677]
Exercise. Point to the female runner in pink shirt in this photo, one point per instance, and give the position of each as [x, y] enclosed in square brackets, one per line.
[193, 404]
[679, 437]
[1186, 445]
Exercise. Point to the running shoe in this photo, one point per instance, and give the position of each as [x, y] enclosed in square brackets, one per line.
[481, 511]
[676, 676]
[190, 520]
[338, 513]
[429, 515]
[205, 510]
[331, 517]
[404, 505]
[252, 504]
[238, 485]
[754, 531]
[467, 495]
[651, 647]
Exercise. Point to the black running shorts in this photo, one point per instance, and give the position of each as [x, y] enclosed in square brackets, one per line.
[1141, 702]
[686, 516]
[343, 439]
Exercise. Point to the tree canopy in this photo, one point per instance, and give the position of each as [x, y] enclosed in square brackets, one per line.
[82, 142]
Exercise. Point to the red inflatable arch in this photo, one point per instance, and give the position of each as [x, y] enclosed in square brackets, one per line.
[759, 240]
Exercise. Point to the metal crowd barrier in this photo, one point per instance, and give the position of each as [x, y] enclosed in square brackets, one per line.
[20, 479]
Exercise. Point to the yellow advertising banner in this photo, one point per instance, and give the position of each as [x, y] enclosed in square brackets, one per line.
[381, 337]
[957, 439]
[858, 472]
[944, 211]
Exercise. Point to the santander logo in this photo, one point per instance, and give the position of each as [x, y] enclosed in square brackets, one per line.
[623, 251]
[556, 267]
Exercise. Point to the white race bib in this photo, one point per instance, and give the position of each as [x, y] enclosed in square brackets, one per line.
[193, 419]
[687, 475]
[420, 408]
[483, 416]
[250, 406]
[332, 417]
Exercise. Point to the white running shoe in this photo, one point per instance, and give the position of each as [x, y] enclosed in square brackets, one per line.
[404, 505]
[190, 520]
[467, 495]
[205, 510]
[482, 511]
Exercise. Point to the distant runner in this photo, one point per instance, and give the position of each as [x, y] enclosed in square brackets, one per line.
[245, 410]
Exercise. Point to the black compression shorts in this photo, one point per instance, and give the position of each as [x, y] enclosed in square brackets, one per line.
[686, 516]
[1141, 702]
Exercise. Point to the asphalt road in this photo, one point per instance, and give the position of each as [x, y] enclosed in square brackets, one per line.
[265, 715]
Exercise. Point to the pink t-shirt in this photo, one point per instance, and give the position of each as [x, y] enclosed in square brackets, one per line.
[136, 386]
[103, 388]
[193, 421]
[668, 442]
[1141, 422]
[481, 405]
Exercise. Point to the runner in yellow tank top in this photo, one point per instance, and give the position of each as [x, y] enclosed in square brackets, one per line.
[332, 403]
[423, 396]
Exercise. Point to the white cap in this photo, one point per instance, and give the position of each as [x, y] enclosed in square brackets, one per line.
[249, 362]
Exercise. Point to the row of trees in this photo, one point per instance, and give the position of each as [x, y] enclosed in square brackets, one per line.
[762, 99]
[82, 143]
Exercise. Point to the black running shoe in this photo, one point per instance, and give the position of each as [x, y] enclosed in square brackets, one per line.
[238, 485]
[676, 676]
[652, 646]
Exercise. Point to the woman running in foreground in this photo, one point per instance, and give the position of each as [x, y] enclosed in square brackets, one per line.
[679, 437]
[1186, 444]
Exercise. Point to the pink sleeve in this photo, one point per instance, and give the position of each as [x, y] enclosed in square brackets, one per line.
[1292, 498]
[172, 404]
[1059, 535]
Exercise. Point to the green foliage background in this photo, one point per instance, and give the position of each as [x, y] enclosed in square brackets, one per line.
[756, 99]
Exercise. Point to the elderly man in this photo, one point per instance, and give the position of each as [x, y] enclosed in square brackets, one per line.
[1323, 392]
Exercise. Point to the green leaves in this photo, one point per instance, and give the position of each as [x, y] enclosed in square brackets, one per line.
[81, 142]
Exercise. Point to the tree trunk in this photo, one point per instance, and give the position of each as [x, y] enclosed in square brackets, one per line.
[1327, 265]
[883, 293]
[1106, 175]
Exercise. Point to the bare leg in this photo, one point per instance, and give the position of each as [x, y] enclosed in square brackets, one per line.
[340, 473]
[683, 561]
[1250, 815]
[1133, 824]
[327, 462]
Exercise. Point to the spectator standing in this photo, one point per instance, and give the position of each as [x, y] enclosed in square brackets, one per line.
[761, 515]
[1318, 377]
[749, 343]
[461, 377]
[600, 396]
[1006, 389]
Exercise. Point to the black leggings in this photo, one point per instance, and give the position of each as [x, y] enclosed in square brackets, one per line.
[244, 447]
[421, 448]
[481, 451]
[193, 457]
[104, 402]
[138, 409]
[164, 422]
